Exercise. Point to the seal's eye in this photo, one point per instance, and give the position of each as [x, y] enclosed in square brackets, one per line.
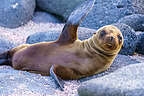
[102, 33]
[119, 38]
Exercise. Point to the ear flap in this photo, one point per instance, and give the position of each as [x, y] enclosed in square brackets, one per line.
[69, 32]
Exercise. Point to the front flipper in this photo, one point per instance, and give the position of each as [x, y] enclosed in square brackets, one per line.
[57, 79]
[69, 33]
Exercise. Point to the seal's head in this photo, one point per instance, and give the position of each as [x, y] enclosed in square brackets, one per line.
[109, 38]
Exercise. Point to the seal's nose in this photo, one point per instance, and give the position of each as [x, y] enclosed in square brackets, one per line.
[111, 44]
[111, 38]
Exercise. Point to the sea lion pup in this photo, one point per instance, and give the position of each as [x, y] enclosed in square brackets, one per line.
[68, 57]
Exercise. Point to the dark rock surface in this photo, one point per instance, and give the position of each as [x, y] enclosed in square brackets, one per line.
[52, 35]
[140, 42]
[130, 39]
[14, 13]
[107, 12]
[126, 81]
[43, 17]
[59, 7]
[138, 6]
[135, 21]
[104, 12]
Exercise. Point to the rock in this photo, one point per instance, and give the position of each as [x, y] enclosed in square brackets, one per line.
[130, 39]
[126, 81]
[104, 12]
[107, 12]
[135, 21]
[138, 6]
[21, 83]
[52, 35]
[14, 13]
[59, 7]
[140, 43]
[43, 17]
[43, 36]
[5, 44]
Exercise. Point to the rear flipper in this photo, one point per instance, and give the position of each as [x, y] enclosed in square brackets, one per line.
[6, 57]
[4, 62]
[57, 79]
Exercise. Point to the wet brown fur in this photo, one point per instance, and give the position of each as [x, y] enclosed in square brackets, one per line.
[73, 59]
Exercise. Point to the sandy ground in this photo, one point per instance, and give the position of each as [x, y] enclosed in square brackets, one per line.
[18, 36]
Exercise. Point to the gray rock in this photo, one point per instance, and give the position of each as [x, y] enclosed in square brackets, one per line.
[126, 81]
[5, 44]
[107, 12]
[14, 13]
[138, 6]
[130, 39]
[21, 83]
[104, 12]
[52, 35]
[140, 42]
[135, 21]
[59, 7]
[43, 17]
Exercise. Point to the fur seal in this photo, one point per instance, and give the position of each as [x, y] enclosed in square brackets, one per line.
[68, 57]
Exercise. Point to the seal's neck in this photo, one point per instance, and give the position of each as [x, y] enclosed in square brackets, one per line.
[93, 48]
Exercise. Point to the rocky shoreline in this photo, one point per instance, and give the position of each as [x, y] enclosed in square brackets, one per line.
[123, 78]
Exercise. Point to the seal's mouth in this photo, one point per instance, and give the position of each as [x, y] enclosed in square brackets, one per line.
[110, 46]
[110, 43]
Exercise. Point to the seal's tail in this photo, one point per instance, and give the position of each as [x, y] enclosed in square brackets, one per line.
[5, 58]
